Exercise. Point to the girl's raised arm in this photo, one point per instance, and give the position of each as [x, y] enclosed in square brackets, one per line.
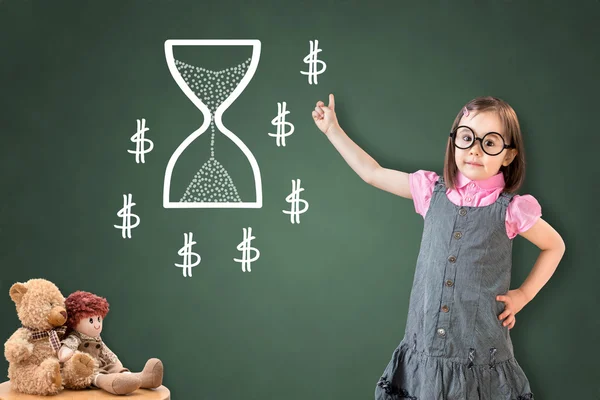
[392, 181]
[363, 164]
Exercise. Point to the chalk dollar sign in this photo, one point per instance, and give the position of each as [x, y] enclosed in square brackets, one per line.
[126, 214]
[187, 254]
[281, 124]
[140, 142]
[246, 248]
[312, 61]
[295, 200]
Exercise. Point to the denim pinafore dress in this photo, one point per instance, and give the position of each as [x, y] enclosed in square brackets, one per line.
[454, 346]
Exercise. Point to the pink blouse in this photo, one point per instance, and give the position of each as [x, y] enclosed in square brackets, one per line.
[521, 214]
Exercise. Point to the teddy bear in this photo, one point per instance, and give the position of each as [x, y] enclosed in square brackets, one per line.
[86, 312]
[31, 351]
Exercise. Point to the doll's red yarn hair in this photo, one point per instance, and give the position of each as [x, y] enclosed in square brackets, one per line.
[82, 305]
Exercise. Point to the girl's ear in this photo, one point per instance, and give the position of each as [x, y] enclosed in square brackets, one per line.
[509, 157]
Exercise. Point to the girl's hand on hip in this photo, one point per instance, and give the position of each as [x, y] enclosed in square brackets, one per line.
[514, 301]
[324, 116]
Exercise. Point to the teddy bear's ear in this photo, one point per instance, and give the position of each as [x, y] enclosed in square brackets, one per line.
[17, 291]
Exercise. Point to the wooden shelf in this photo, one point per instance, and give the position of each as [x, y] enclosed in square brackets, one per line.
[160, 393]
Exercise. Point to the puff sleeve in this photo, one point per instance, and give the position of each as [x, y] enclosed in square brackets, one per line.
[421, 187]
[72, 341]
[521, 214]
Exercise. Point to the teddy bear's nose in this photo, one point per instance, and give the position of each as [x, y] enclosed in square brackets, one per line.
[63, 313]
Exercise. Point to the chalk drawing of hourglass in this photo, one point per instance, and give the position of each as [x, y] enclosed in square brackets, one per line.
[211, 186]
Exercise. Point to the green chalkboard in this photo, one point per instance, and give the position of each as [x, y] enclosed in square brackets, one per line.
[319, 311]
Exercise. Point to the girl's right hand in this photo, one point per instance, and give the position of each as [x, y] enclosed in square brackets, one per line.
[324, 116]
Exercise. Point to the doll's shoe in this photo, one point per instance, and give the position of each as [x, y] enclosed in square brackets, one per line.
[152, 374]
[118, 383]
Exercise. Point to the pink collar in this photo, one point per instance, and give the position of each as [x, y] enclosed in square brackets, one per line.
[493, 182]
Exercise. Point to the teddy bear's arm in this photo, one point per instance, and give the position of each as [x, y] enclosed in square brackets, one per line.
[18, 348]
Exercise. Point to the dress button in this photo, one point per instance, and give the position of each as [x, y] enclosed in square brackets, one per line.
[462, 212]
[449, 283]
[457, 235]
[441, 332]
[472, 185]
[468, 199]
[445, 308]
[452, 259]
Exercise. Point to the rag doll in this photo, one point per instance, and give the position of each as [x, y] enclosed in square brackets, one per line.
[86, 313]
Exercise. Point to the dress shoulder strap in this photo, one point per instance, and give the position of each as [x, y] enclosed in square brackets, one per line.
[505, 198]
[440, 186]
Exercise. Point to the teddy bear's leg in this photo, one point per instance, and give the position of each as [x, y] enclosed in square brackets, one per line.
[117, 383]
[152, 374]
[43, 379]
[78, 371]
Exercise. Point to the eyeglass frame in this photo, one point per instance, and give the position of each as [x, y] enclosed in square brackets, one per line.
[453, 137]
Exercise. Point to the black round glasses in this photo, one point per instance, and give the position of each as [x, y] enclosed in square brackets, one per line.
[492, 143]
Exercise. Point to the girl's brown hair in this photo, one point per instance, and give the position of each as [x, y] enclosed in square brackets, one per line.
[514, 173]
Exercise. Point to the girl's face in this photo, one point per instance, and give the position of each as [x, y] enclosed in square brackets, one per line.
[91, 326]
[474, 163]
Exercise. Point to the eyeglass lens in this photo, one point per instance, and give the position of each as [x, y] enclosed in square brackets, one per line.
[492, 143]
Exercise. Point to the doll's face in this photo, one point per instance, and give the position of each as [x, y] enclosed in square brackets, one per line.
[91, 326]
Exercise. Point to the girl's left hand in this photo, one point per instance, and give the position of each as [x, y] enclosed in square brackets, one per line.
[513, 301]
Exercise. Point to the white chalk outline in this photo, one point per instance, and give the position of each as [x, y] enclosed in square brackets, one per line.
[256, 46]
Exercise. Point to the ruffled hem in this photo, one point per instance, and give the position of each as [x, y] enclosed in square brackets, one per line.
[414, 375]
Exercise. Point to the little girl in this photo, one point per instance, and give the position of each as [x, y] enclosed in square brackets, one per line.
[456, 345]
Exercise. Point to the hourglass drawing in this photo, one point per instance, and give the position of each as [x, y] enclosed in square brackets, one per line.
[211, 186]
